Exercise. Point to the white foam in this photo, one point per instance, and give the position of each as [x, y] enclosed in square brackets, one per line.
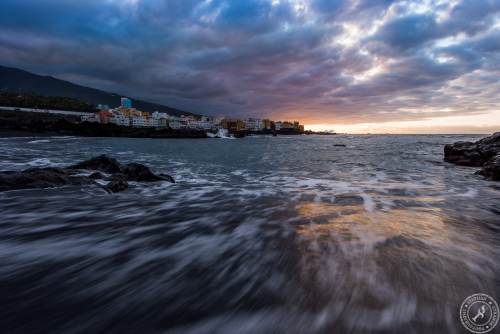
[470, 193]
[368, 202]
[39, 141]
[40, 162]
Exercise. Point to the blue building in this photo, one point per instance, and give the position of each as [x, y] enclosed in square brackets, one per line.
[126, 102]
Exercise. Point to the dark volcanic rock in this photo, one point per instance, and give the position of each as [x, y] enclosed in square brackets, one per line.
[96, 176]
[483, 153]
[102, 163]
[117, 186]
[464, 153]
[491, 169]
[116, 177]
[132, 171]
[138, 172]
[57, 177]
[168, 178]
[40, 178]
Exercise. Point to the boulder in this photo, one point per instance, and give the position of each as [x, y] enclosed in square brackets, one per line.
[116, 177]
[490, 146]
[167, 178]
[101, 163]
[141, 173]
[56, 177]
[483, 153]
[117, 186]
[132, 171]
[491, 169]
[40, 178]
[464, 153]
[96, 176]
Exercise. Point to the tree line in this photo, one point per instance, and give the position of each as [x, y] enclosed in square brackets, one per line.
[33, 100]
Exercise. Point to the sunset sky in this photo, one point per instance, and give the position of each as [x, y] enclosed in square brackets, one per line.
[352, 66]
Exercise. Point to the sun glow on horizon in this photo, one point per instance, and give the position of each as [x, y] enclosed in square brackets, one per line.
[485, 123]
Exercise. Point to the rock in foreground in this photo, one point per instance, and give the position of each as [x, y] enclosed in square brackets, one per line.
[141, 173]
[483, 153]
[50, 177]
[491, 169]
[101, 163]
[117, 186]
[40, 178]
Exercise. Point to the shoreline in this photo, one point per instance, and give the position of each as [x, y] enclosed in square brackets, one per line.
[13, 123]
[41, 124]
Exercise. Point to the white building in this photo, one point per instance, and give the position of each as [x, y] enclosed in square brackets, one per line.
[189, 120]
[120, 119]
[161, 119]
[94, 118]
[151, 122]
[205, 123]
[254, 124]
[138, 121]
[123, 116]
[177, 122]
[278, 125]
[159, 115]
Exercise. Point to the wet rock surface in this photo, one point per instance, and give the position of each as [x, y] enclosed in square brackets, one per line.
[491, 169]
[138, 172]
[96, 176]
[40, 178]
[101, 163]
[51, 177]
[484, 153]
[117, 186]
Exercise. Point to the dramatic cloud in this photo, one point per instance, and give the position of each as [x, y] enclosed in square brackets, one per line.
[320, 61]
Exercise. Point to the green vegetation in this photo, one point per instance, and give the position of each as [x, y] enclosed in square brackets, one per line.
[31, 100]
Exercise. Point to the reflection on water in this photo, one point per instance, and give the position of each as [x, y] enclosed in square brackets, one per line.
[259, 235]
[372, 226]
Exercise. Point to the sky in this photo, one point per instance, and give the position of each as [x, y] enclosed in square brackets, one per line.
[351, 66]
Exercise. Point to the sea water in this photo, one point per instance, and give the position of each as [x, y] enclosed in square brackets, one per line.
[258, 235]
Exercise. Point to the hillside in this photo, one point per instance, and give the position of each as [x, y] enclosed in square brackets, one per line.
[16, 80]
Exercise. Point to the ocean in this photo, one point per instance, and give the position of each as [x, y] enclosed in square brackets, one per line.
[287, 234]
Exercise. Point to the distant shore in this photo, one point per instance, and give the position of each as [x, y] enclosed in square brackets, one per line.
[15, 123]
[35, 124]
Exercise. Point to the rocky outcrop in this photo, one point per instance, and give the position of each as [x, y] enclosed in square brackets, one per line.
[117, 186]
[141, 173]
[491, 169]
[96, 176]
[101, 163]
[57, 177]
[40, 178]
[483, 153]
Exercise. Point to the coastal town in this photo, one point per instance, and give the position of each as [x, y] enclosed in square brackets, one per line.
[34, 113]
[127, 116]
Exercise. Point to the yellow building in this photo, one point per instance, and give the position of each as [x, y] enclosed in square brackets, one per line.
[129, 112]
[233, 124]
[267, 124]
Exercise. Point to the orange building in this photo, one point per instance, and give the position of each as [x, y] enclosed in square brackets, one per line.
[104, 116]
